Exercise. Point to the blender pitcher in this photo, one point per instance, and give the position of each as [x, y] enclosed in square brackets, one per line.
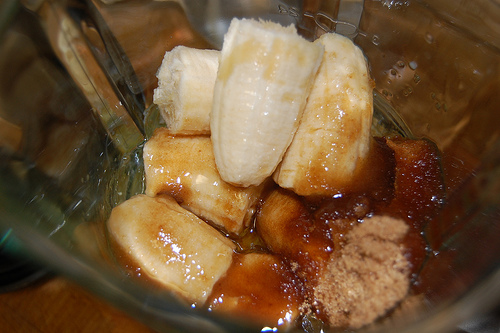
[76, 108]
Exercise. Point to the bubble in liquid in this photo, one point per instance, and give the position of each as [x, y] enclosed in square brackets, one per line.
[400, 64]
[387, 93]
[407, 91]
[416, 78]
[413, 65]
[429, 38]
[393, 72]
[375, 40]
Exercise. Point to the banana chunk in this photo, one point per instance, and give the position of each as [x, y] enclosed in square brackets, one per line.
[184, 95]
[287, 228]
[184, 167]
[265, 75]
[333, 138]
[171, 245]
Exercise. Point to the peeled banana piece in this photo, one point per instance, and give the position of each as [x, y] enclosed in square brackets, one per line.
[170, 245]
[184, 95]
[333, 138]
[265, 75]
[184, 167]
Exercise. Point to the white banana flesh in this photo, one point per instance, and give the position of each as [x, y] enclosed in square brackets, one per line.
[333, 138]
[184, 167]
[171, 245]
[184, 95]
[265, 75]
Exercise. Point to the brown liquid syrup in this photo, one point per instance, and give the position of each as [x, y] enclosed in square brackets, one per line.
[402, 178]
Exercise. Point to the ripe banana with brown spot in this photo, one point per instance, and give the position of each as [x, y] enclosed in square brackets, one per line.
[184, 167]
[170, 245]
[333, 138]
[265, 75]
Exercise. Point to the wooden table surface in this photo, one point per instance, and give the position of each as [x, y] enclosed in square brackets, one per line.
[57, 305]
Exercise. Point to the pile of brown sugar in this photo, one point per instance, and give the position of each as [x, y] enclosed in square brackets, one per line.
[368, 277]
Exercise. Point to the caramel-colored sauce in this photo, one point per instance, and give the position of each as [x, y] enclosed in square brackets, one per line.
[419, 183]
[258, 287]
[278, 260]
[402, 178]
